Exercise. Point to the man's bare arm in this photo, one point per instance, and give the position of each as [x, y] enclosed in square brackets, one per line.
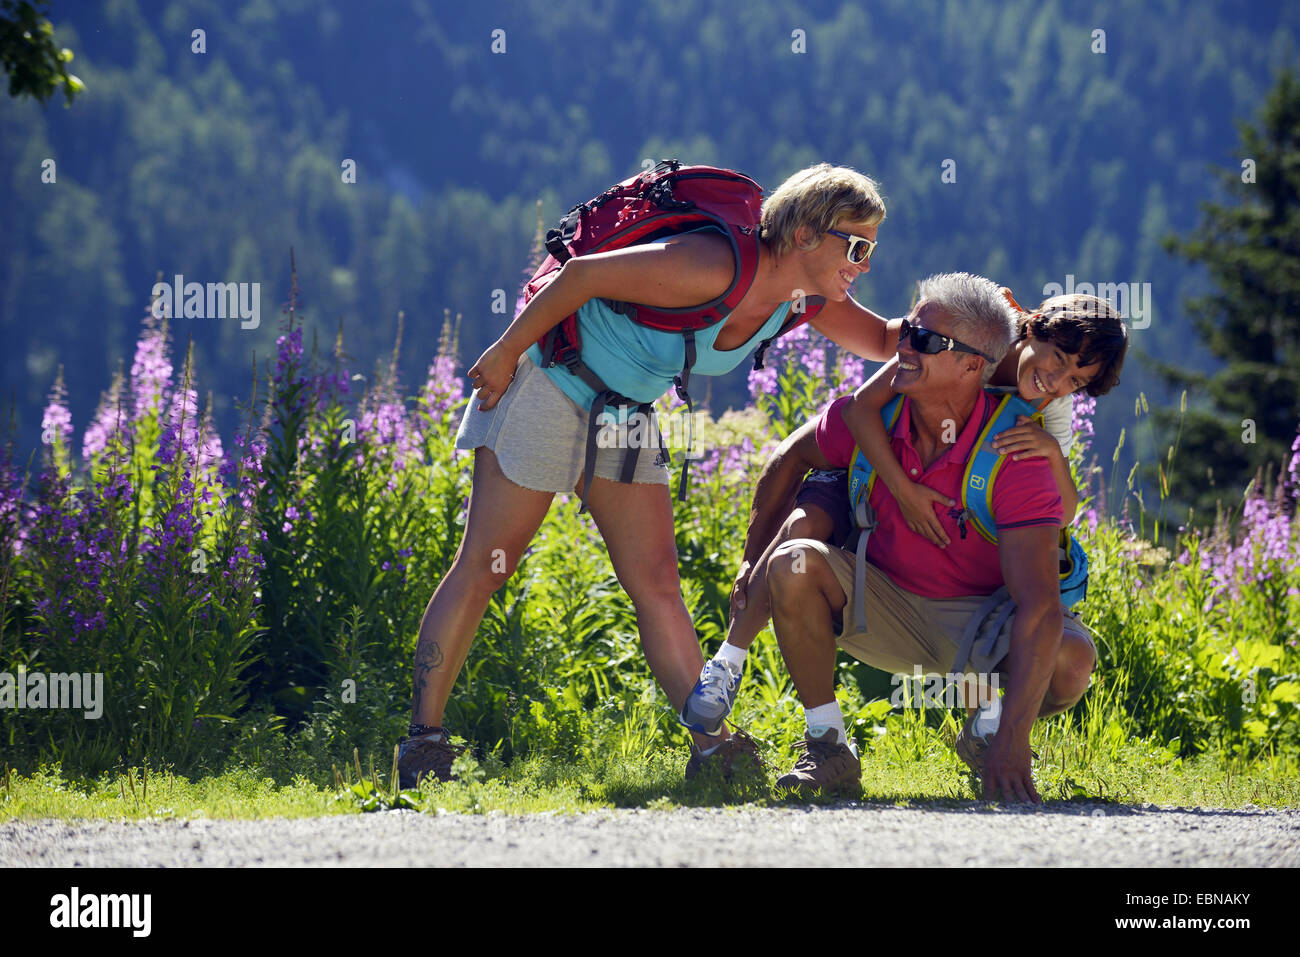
[1028, 557]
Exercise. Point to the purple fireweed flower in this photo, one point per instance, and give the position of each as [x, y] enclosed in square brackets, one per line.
[109, 418]
[288, 349]
[181, 429]
[326, 388]
[443, 390]
[12, 531]
[1293, 470]
[809, 349]
[208, 448]
[763, 381]
[852, 371]
[78, 552]
[1081, 420]
[151, 369]
[387, 430]
[801, 347]
[57, 420]
[1266, 545]
[289, 371]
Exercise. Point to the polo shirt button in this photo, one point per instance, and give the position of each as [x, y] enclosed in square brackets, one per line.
[913, 471]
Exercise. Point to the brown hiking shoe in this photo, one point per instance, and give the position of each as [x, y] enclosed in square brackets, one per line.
[737, 752]
[825, 764]
[421, 757]
[972, 748]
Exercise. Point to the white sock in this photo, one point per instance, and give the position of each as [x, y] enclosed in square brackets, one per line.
[825, 716]
[988, 718]
[732, 655]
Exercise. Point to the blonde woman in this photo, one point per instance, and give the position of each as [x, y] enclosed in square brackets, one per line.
[527, 425]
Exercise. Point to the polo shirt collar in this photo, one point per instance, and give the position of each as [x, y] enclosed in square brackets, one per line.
[958, 453]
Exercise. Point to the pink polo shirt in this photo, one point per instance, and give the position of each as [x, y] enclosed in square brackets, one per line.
[1024, 494]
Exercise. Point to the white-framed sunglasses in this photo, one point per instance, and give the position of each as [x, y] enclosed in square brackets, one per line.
[859, 250]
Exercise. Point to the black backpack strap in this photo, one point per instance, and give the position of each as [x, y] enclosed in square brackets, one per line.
[607, 399]
[683, 383]
[549, 342]
[593, 430]
[628, 475]
[558, 238]
[792, 320]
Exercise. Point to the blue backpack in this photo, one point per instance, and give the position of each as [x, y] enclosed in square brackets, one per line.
[976, 498]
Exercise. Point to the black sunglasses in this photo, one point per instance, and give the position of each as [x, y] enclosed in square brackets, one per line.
[930, 343]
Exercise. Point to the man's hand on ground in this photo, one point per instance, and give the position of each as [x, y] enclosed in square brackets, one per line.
[1008, 775]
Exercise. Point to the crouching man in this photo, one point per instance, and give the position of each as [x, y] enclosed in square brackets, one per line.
[975, 606]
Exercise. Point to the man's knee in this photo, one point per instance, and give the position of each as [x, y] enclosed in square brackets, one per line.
[1074, 664]
[807, 523]
[795, 568]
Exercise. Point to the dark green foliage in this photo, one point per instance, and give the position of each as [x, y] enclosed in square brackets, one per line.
[1251, 319]
[36, 66]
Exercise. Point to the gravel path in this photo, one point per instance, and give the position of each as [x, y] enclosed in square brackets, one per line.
[843, 835]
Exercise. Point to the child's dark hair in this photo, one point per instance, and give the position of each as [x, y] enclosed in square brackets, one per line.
[1085, 326]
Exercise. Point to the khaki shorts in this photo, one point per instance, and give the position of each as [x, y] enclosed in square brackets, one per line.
[539, 436]
[905, 630]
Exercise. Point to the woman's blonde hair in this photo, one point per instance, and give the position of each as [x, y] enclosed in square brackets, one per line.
[818, 197]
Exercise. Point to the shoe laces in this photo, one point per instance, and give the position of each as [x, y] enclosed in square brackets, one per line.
[739, 743]
[717, 681]
[815, 751]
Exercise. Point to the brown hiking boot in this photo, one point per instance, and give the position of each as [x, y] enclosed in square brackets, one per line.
[421, 757]
[825, 765]
[972, 748]
[737, 752]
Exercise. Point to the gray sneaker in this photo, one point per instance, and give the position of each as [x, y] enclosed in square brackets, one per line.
[423, 757]
[713, 696]
[825, 765]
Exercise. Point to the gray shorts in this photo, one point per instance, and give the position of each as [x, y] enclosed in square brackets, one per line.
[539, 436]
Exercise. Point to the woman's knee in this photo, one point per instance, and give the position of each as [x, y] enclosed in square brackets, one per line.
[483, 572]
[654, 581]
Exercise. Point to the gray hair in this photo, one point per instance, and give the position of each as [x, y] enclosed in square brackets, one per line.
[980, 314]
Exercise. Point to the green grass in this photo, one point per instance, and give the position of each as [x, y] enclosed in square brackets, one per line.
[903, 765]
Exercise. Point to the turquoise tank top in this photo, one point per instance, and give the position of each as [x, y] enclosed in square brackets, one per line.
[640, 362]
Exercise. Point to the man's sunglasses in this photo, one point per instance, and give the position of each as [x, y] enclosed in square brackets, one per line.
[860, 249]
[931, 343]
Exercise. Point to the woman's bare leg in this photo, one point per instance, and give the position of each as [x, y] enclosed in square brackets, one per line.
[503, 518]
[636, 522]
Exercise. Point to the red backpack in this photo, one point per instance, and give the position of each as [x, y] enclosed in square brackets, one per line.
[664, 201]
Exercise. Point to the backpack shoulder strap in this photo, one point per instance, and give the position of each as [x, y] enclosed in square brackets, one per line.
[812, 306]
[985, 463]
[862, 476]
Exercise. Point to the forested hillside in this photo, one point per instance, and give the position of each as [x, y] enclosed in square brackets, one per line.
[1069, 153]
